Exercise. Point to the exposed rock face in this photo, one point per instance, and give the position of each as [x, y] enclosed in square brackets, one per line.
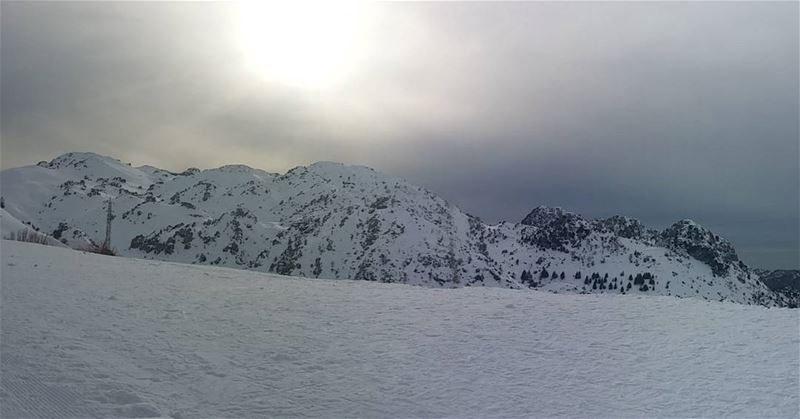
[701, 244]
[627, 227]
[780, 278]
[556, 229]
[334, 221]
[785, 282]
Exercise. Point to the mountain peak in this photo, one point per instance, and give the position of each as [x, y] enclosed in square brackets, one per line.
[627, 227]
[542, 215]
[326, 163]
[702, 244]
[77, 160]
[331, 220]
[329, 167]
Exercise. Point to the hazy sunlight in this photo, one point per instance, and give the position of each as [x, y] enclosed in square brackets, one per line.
[303, 44]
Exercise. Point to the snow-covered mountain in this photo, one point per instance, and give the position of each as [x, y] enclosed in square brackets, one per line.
[783, 281]
[329, 220]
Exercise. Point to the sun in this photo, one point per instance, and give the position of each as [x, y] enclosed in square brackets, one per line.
[302, 44]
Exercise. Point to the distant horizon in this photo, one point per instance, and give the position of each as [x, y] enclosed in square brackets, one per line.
[743, 255]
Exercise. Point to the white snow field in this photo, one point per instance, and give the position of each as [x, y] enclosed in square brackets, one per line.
[85, 335]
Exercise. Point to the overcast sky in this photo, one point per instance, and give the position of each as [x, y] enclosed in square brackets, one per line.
[659, 111]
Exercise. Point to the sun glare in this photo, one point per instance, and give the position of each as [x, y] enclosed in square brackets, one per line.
[303, 44]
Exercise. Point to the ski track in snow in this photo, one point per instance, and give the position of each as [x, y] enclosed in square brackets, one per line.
[91, 336]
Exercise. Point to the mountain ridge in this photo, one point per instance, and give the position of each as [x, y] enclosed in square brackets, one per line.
[331, 220]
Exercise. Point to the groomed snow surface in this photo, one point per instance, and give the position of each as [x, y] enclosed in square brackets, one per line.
[85, 335]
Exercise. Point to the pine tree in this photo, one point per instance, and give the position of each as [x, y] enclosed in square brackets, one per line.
[526, 277]
[638, 280]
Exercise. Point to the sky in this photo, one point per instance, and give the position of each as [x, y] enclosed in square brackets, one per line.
[659, 111]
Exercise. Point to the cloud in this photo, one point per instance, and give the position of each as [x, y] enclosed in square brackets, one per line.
[656, 110]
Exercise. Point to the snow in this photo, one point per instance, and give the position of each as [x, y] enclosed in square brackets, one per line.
[9, 226]
[85, 335]
[330, 220]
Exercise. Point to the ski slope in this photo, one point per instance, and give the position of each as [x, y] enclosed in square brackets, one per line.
[85, 335]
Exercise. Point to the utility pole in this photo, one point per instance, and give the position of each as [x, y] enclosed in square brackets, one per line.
[109, 216]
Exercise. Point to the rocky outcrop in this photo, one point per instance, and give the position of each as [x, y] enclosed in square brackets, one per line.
[690, 238]
[329, 220]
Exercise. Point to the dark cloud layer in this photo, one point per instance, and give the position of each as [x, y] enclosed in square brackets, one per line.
[658, 110]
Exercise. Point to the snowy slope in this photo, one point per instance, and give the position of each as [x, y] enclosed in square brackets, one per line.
[9, 224]
[328, 220]
[11, 227]
[86, 335]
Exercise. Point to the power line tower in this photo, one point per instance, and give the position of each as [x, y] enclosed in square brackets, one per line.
[109, 217]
